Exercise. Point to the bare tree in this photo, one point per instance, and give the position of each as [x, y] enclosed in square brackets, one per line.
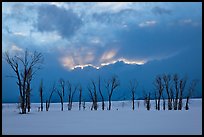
[146, 100]
[71, 92]
[159, 87]
[80, 96]
[176, 84]
[93, 95]
[191, 89]
[49, 100]
[99, 89]
[61, 92]
[167, 80]
[133, 86]
[41, 95]
[182, 84]
[111, 85]
[25, 68]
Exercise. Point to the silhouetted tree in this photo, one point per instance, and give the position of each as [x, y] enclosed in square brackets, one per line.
[167, 80]
[49, 100]
[176, 84]
[61, 92]
[159, 87]
[111, 85]
[148, 103]
[191, 89]
[25, 67]
[80, 96]
[93, 95]
[133, 86]
[71, 92]
[146, 100]
[41, 95]
[182, 84]
[102, 98]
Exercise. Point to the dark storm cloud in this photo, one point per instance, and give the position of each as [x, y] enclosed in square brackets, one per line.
[157, 41]
[51, 18]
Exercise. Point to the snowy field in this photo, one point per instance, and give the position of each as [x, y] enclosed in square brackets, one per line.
[121, 120]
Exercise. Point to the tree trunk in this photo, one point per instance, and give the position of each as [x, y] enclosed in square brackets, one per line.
[80, 96]
[26, 101]
[41, 107]
[23, 105]
[24, 108]
[176, 104]
[47, 106]
[95, 105]
[158, 104]
[69, 106]
[29, 102]
[187, 100]
[169, 104]
[180, 104]
[103, 105]
[41, 101]
[109, 107]
[79, 105]
[62, 105]
[84, 105]
[180, 101]
[133, 103]
[176, 101]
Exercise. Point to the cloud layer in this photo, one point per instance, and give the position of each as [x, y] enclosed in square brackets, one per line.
[94, 34]
[51, 18]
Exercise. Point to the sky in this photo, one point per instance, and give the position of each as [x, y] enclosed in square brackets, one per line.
[81, 41]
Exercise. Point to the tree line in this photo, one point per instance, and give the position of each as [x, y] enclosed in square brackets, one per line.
[94, 92]
[26, 66]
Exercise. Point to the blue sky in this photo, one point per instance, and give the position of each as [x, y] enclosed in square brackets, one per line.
[81, 41]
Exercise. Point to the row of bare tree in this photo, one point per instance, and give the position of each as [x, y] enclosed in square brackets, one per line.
[25, 66]
[166, 84]
[110, 86]
[173, 87]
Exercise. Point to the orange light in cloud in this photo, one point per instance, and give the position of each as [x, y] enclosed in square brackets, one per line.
[67, 62]
[108, 55]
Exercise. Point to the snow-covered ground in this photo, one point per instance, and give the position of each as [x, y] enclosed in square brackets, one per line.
[121, 120]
